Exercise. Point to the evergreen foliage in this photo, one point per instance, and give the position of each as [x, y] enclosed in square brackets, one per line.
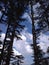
[11, 12]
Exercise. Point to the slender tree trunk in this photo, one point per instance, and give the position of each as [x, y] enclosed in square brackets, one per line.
[7, 46]
[34, 36]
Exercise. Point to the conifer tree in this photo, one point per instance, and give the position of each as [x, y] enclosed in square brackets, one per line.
[13, 15]
[16, 59]
[44, 10]
[37, 51]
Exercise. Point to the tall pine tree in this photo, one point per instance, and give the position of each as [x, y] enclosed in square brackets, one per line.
[13, 14]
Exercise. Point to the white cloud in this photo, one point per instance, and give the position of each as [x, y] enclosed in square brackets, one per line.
[28, 48]
[27, 35]
[27, 16]
[0, 14]
[16, 52]
[44, 38]
[2, 36]
[23, 37]
[44, 41]
[22, 46]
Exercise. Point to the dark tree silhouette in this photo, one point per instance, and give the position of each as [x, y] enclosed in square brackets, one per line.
[37, 51]
[0, 43]
[13, 22]
[19, 59]
[16, 59]
[44, 10]
[48, 50]
[35, 32]
[34, 36]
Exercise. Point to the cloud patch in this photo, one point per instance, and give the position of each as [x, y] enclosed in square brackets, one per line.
[44, 41]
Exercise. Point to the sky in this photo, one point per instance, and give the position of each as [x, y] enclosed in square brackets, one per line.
[23, 46]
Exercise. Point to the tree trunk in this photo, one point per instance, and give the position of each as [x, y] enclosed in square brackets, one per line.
[8, 41]
[34, 37]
